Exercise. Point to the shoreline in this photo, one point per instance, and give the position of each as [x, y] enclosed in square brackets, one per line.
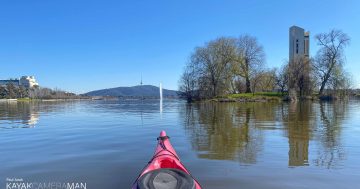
[9, 100]
[40, 100]
[238, 98]
[245, 100]
[275, 97]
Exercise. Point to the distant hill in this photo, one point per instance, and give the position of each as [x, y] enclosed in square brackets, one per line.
[135, 91]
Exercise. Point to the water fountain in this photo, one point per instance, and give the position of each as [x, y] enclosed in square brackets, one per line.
[161, 98]
[161, 94]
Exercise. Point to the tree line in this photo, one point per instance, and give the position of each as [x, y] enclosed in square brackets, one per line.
[11, 91]
[229, 65]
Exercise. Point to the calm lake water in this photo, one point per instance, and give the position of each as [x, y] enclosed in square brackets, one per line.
[257, 145]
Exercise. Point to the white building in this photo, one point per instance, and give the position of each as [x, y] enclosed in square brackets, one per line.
[299, 43]
[28, 81]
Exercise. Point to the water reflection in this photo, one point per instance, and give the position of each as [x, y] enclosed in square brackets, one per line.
[131, 106]
[234, 131]
[305, 134]
[27, 114]
[223, 131]
[331, 151]
[298, 120]
[18, 114]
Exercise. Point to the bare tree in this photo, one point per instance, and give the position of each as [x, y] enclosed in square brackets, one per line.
[23, 92]
[3, 92]
[256, 79]
[212, 63]
[188, 84]
[11, 89]
[250, 57]
[299, 77]
[268, 80]
[46, 93]
[330, 55]
[239, 84]
[282, 77]
[226, 65]
[340, 82]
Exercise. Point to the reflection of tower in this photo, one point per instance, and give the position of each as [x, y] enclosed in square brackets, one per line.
[299, 133]
[298, 151]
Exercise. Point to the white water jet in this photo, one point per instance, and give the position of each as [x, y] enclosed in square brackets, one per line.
[161, 98]
[161, 94]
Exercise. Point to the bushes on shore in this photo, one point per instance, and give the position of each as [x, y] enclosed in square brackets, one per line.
[11, 91]
[229, 65]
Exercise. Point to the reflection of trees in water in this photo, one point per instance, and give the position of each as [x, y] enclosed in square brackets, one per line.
[227, 130]
[321, 123]
[24, 114]
[235, 131]
[330, 151]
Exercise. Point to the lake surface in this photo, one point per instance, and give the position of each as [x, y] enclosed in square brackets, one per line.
[105, 144]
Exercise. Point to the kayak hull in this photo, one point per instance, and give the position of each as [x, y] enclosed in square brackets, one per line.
[165, 157]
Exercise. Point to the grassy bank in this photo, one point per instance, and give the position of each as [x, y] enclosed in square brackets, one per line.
[272, 96]
[251, 97]
[24, 99]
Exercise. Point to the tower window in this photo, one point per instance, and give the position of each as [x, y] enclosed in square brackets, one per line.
[297, 46]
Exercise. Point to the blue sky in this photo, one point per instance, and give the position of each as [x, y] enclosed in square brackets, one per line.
[83, 45]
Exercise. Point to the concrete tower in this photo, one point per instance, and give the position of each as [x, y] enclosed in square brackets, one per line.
[299, 43]
[299, 78]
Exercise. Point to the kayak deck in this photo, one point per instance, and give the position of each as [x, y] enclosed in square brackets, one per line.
[166, 167]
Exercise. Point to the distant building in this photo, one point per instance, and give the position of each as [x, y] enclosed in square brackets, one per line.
[25, 81]
[9, 81]
[299, 43]
[28, 81]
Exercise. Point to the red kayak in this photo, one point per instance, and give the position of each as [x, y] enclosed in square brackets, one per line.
[164, 170]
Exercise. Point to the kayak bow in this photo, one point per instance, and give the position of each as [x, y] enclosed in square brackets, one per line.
[164, 170]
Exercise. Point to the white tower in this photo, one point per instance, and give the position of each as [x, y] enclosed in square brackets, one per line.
[299, 43]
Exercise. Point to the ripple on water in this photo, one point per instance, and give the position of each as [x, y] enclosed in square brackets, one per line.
[224, 145]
